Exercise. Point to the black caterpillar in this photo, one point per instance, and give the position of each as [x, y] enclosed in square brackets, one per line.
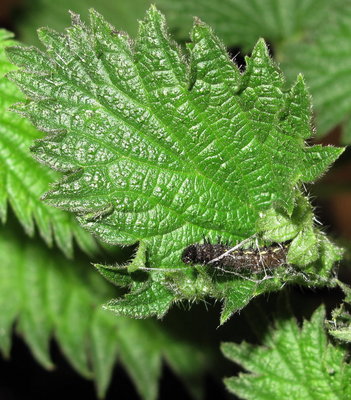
[252, 259]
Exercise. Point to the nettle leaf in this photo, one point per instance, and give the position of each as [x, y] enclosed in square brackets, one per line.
[294, 28]
[22, 180]
[153, 299]
[164, 149]
[293, 363]
[51, 296]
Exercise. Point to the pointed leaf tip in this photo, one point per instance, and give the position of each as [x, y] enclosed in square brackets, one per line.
[151, 300]
[153, 11]
[260, 49]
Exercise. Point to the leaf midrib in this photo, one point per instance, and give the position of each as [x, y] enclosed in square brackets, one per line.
[205, 119]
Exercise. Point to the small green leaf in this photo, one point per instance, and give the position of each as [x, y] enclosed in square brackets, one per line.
[292, 364]
[304, 248]
[124, 275]
[118, 275]
[139, 261]
[235, 301]
[152, 299]
[340, 325]
[329, 254]
[278, 226]
[318, 159]
[343, 334]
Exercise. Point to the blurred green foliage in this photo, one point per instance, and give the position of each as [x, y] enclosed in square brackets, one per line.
[123, 14]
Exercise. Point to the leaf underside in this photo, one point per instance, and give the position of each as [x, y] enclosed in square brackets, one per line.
[164, 148]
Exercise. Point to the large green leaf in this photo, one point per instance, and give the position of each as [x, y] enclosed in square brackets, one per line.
[292, 364]
[45, 295]
[23, 180]
[164, 150]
